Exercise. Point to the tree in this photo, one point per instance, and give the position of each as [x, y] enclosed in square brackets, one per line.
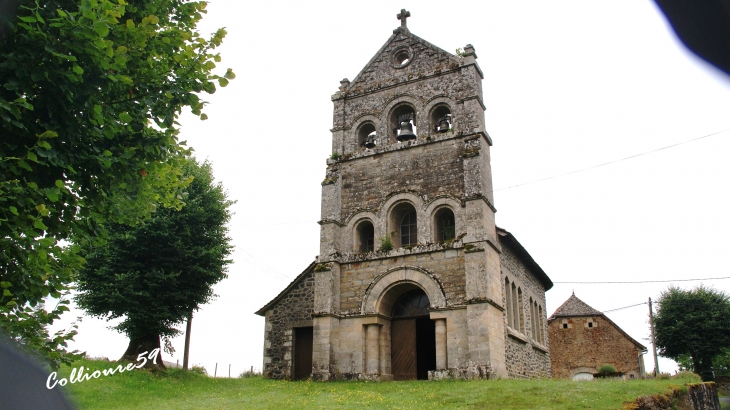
[90, 91]
[693, 323]
[155, 273]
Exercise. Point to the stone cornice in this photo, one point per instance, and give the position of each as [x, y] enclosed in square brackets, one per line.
[482, 197]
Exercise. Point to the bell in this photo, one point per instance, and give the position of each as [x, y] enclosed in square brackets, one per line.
[370, 142]
[406, 132]
[443, 125]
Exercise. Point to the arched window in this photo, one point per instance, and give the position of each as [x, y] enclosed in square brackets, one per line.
[403, 123]
[541, 326]
[403, 225]
[413, 303]
[533, 321]
[445, 225]
[518, 320]
[366, 136]
[408, 229]
[365, 237]
[508, 302]
[441, 118]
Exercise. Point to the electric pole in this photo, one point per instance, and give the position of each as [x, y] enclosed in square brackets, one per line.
[187, 340]
[653, 339]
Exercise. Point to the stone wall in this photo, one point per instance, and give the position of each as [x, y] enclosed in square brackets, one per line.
[525, 356]
[293, 310]
[580, 346]
[697, 396]
[446, 266]
[430, 170]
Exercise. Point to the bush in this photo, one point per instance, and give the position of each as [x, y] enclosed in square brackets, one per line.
[607, 368]
[386, 244]
[249, 374]
[686, 376]
[663, 376]
[199, 369]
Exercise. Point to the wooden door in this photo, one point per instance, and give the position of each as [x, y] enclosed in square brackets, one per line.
[303, 337]
[403, 349]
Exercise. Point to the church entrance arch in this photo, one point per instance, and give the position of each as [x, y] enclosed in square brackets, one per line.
[413, 336]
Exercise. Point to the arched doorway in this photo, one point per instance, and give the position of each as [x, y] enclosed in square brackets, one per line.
[413, 337]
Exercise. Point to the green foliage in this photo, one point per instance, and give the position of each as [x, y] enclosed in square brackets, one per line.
[687, 377]
[386, 244]
[607, 368]
[335, 155]
[199, 369]
[663, 376]
[155, 273]
[693, 323]
[90, 91]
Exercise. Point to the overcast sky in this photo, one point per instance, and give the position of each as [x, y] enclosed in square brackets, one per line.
[568, 85]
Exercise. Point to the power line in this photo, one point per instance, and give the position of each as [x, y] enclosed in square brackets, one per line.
[611, 162]
[645, 281]
[625, 307]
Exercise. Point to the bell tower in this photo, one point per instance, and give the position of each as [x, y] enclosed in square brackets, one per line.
[408, 220]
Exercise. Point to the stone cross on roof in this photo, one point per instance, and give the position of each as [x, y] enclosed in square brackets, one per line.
[402, 16]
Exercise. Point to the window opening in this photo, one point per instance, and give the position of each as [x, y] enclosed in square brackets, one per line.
[413, 303]
[441, 119]
[366, 236]
[445, 225]
[508, 293]
[408, 228]
[403, 123]
[366, 136]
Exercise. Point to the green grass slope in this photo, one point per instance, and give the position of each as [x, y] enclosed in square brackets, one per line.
[185, 390]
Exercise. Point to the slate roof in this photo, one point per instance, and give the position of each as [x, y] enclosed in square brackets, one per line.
[575, 307]
[508, 239]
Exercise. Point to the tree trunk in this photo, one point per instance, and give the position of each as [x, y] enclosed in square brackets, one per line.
[144, 346]
[706, 371]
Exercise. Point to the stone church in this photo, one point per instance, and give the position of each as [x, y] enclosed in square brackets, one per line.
[413, 280]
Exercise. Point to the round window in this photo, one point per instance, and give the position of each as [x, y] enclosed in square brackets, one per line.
[402, 57]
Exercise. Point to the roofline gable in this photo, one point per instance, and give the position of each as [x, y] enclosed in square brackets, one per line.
[309, 269]
[407, 33]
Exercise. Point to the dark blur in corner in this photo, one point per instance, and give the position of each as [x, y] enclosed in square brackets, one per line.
[703, 26]
[23, 381]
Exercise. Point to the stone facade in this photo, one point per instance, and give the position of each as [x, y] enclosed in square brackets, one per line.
[439, 178]
[528, 353]
[293, 309]
[583, 339]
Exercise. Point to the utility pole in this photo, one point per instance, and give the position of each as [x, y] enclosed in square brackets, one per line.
[187, 340]
[653, 339]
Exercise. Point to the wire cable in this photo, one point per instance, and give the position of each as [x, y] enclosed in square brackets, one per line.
[625, 307]
[611, 162]
[645, 281]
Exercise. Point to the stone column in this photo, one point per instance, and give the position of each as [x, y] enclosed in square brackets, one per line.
[441, 362]
[372, 348]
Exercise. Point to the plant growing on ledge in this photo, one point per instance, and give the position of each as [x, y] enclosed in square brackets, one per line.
[386, 244]
[607, 368]
[335, 155]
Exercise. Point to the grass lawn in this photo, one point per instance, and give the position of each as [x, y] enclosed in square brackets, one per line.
[186, 390]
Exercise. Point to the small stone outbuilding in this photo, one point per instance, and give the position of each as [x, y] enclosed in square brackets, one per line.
[413, 280]
[582, 339]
